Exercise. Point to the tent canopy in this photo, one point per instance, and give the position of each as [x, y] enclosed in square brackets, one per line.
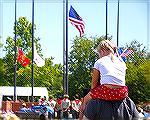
[23, 91]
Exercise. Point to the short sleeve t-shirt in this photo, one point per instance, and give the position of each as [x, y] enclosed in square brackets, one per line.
[111, 71]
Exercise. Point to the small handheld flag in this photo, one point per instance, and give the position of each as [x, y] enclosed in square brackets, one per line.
[125, 53]
[76, 21]
[24, 61]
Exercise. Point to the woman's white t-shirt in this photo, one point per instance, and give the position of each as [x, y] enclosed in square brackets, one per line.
[111, 71]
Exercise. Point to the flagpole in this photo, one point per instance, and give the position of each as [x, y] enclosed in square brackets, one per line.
[66, 46]
[15, 49]
[64, 63]
[148, 32]
[118, 25]
[32, 49]
[106, 17]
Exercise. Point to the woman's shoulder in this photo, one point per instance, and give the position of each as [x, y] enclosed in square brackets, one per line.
[102, 60]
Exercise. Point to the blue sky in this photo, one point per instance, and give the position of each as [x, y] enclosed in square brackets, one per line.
[49, 22]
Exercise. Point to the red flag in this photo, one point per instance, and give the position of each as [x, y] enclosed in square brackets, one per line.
[24, 61]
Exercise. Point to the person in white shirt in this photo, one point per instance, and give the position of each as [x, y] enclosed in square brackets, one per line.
[108, 80]
[76, 103]
[51, 103]
[108, 76]
[65, 105]
[42, 101]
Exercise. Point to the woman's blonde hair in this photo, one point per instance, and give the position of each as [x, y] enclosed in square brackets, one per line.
[107, 45]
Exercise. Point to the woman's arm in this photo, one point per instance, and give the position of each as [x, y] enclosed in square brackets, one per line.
[87, 98]
[95, 83]
[95, 78]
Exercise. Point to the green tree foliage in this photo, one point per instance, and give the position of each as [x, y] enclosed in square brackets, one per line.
[1, 70]
[138, 73]
[1, 65]
[1, 44]
[49, 76]
[138, 81]
[81, 60]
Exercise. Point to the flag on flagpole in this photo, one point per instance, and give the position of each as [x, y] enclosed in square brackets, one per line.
[24, 61]
[76, 21]
[37, 59]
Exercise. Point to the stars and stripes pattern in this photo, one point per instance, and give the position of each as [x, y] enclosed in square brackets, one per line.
[76, 21]
[126, 52]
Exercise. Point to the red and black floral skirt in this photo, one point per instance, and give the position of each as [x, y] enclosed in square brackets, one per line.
[106, 93]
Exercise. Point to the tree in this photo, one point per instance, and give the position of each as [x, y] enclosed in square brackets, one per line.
[44, 76]
[50, 76]
[138, 73]
[138, 81]
[24, 41]
[1, 65]
[1, 44]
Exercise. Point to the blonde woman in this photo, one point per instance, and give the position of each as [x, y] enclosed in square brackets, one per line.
[108, 77]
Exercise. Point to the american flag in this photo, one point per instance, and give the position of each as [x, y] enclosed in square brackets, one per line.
[126, 52]
[76, 21]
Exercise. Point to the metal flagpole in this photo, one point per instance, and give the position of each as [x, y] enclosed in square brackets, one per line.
[148, 32]
[118, 25]
[15, 58]
[64, 52]
[66, 46]
[106, 18]
[32, 49]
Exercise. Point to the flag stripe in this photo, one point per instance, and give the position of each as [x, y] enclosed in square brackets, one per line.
[77, 22]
